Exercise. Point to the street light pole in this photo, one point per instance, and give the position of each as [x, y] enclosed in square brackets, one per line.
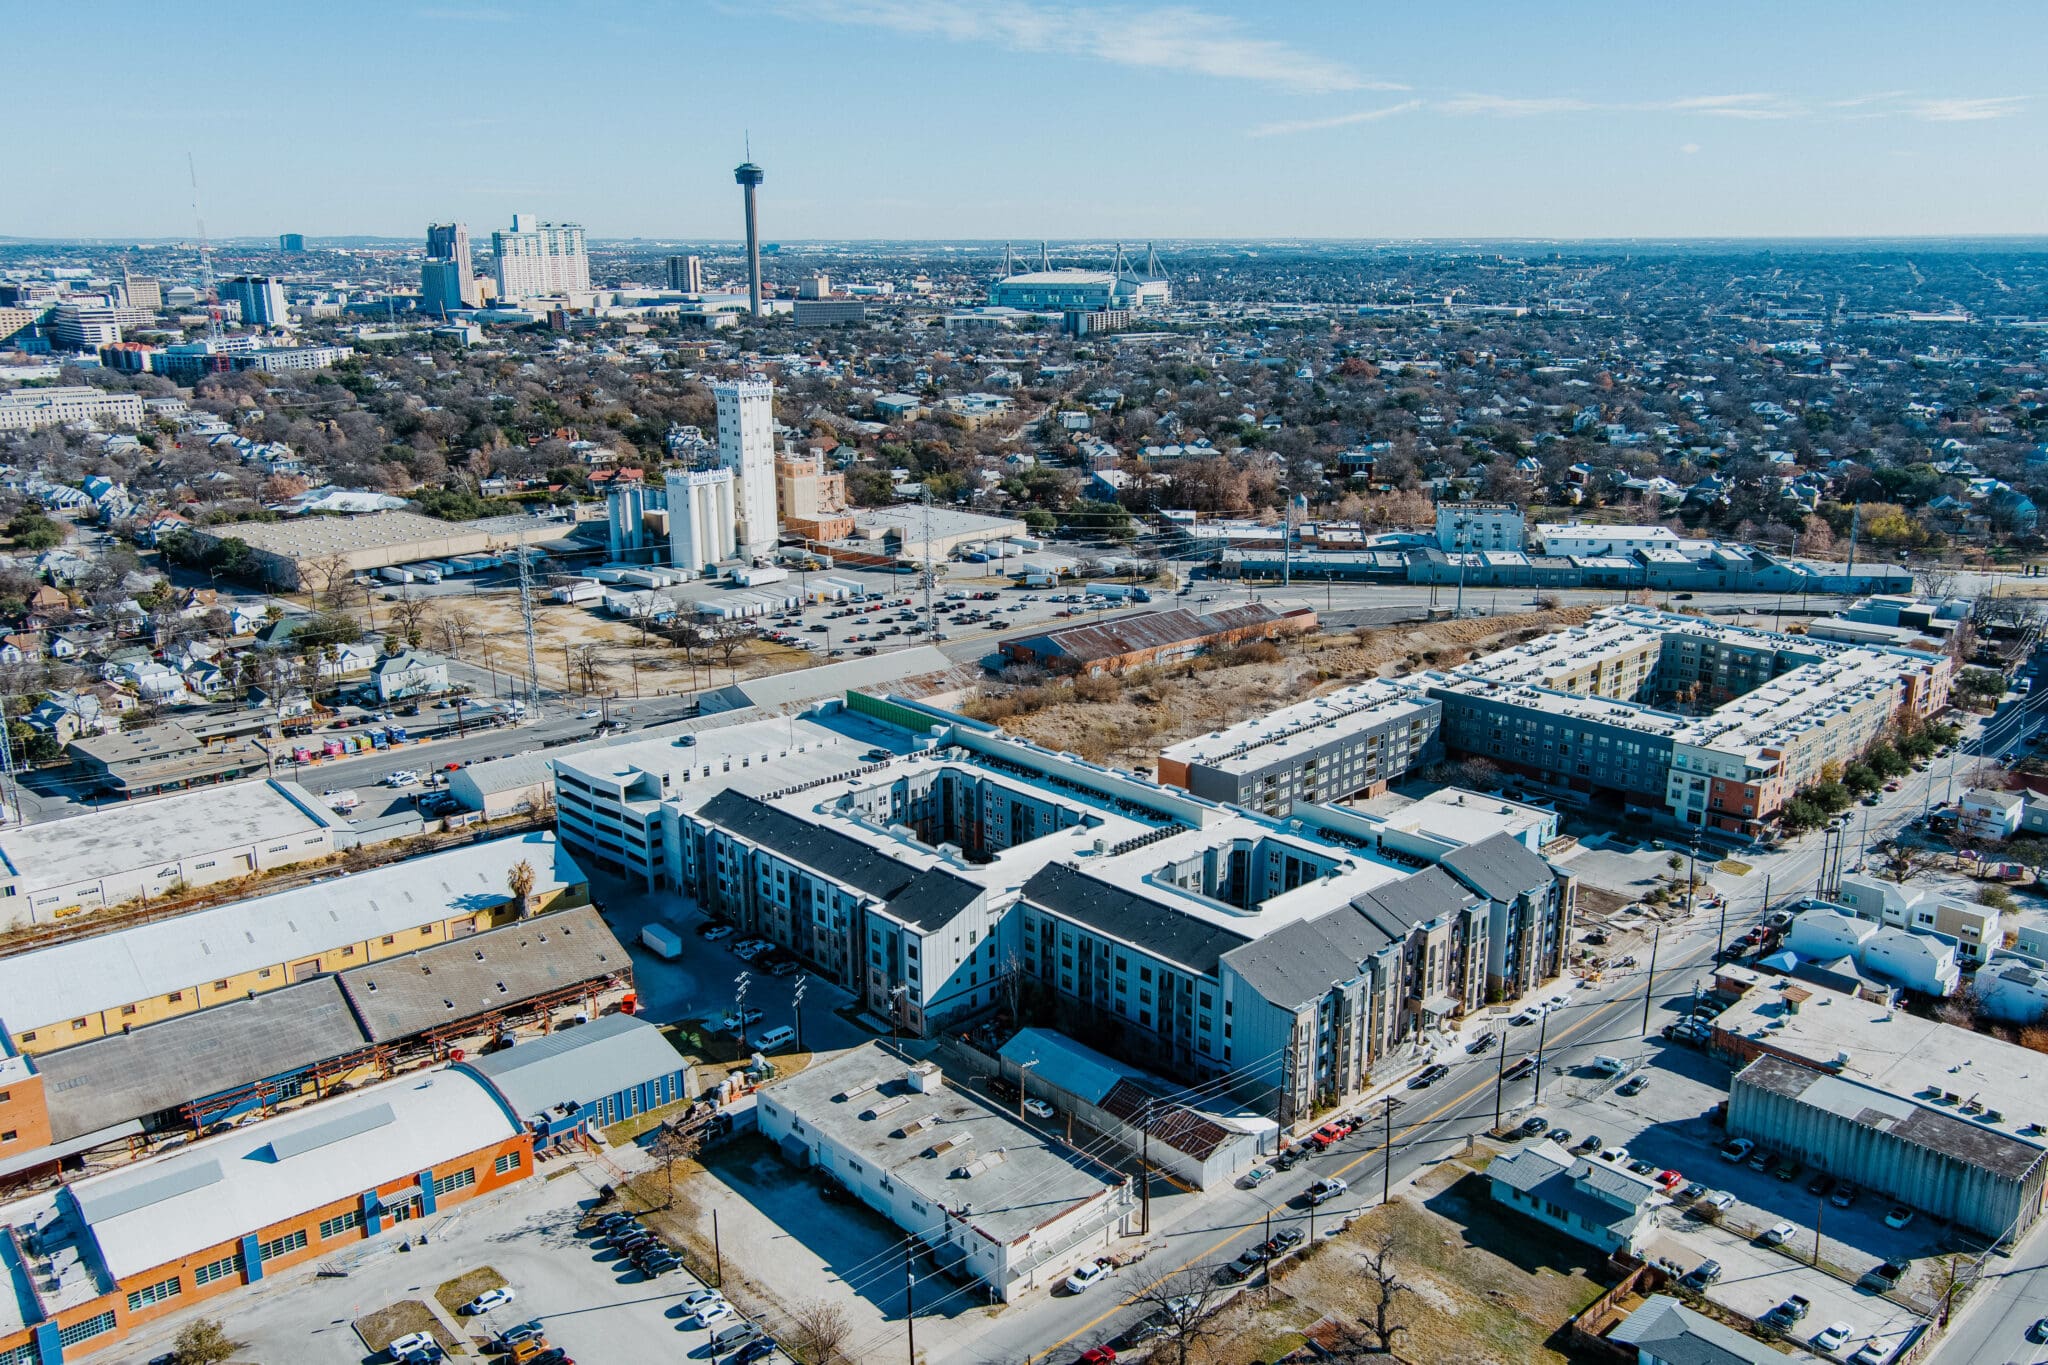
[1500, 1075]
[1387, 1147]
[1650, 977]
[1542, 1032]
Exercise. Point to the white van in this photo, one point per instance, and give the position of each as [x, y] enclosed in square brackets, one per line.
[733, 1337]
[1609, 1066]
[775, 1038]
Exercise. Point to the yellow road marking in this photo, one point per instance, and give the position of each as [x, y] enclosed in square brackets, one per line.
[1422, 1122]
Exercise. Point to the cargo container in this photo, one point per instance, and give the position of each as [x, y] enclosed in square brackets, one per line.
[662, 942]
[755, 576]
[378, 740]
[392, 573]
[1116, 592]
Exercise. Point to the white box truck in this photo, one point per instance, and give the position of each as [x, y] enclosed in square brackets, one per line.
[663, 942]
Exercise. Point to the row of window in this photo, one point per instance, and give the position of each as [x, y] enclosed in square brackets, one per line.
[282, 1246]
[454, 1180]
[163, 1291]
[230, 1264]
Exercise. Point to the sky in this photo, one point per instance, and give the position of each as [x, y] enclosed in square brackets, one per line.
[936, 119]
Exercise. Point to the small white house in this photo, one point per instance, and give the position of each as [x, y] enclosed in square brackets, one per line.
[408, 675]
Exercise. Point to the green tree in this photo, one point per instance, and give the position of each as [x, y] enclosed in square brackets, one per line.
[31, 530]
[205, 1342]
[1831, 797]
[1861, 778]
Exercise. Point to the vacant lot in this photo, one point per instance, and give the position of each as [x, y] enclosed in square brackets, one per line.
[386, 1325]
[456, 1292]
[1129, 719]
[1482, 1287]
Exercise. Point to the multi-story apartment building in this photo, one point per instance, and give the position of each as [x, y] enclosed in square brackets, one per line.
[1584, 708]
[88, 322]
[1479, 526]
[261, 298]
[1352, 741]
[34, 409]
[686, 274]
[536, 259]
[978, 872]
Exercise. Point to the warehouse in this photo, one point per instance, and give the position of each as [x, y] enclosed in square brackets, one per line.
[1949, 1156]
[1155, 637]
[991, 1199]
[907, 529]
[291, 1045]
[295, 554]
[593, 1076]
[110, 1252]
[156, 848]
[73, 992]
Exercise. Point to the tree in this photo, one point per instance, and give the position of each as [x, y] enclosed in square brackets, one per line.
[519, 880]
[1381, 1279]
[409, 615]
[821, 1330]
[1183, 1304]
[327, 576]
[675, 1143]
[584, 660]
[205, 1342]
[30, 530]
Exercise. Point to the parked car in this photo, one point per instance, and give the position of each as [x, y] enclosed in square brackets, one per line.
[1483, 1043]
[1038, 1108]
[1429, 1076]
[1255, 1177]
[1088, 1274]
[404, 1346]
[1844, 1196]
[1832, 1337]
[1323, 1191]
[1778, 1233]
[1534, 1125]
[1634, 1085]
[1898, 1217]
[714, 930]
[1792, 1310]
[1718, 1199]
[488, 1300]
[1737, 1151]
[1701, 1276]
[1589, 1143]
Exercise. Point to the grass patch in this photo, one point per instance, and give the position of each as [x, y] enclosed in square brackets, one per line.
[379, 1329]
[1484, 1285]
[456, 1292]
[1734, 868]
[627, 1130]
[1256, 1331]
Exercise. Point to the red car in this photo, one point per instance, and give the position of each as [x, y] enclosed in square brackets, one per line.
[1096, 1355]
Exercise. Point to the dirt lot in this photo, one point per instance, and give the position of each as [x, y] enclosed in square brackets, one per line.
[1482, 1289]
[1129, 719]
[466, 1286]
[381, 1328]
[498, 642]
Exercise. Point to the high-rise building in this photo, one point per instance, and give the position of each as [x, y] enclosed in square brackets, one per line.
[816, 287]
[291, 241]
[749, 177]
[142, 291]
[701, 513]
[537, 259]
[87, 322]
[261, 297]
[448, 279]
[746, 446]
[686, 274]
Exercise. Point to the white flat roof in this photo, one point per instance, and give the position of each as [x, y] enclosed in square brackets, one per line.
[167, 829]
[223, 1188]
[74, 979]
[1278, 735]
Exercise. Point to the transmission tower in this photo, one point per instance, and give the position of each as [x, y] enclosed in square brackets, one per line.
[206, 281]
[526, 617]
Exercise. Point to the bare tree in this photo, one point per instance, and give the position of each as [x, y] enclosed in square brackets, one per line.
[410, 614]
[454, 632]
[822, 1328]
[584, 662]
[327, 577]
[1183, 1305]
[1383, 1287]
[675, 1143]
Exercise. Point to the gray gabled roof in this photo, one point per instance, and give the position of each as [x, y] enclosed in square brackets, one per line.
[1398, 907]
[1301, 961]
[1668, 1330]
[1159, 929]
[1500, 868]
[933, 899]
[579, 1065]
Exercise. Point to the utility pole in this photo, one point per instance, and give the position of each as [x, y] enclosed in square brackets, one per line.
[910, 1301]
[1499, 1082]
[1145, 1174]
[1020, 1084]
[526, 619]
[717, 1256]
[931, 570]
[1387, 1149]
[1459, 541]
[1650, 977]
[1542, 1032]
[796, 1004]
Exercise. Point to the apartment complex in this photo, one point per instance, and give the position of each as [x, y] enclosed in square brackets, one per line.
[261, 298]
[940, 870]
[1495, 527]
[536, 259]
[746, 446]
[1350, 742]
[34, 409]
[1753, 716]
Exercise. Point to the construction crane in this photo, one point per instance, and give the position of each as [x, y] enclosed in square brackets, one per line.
[207, 286]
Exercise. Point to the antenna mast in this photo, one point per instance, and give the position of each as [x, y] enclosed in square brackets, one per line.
[206, 282]
[931, 572]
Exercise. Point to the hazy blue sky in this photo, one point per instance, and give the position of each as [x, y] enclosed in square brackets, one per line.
[951, 118]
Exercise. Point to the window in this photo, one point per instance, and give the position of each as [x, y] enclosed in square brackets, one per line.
[160, 1292]
[10, 1135]
[455, 1180]
[20, 1355]
[220, 985]
[78, 1023]
[334, 1227]
[282, 1246]
[176, 996]
[125, 1009]
[508, 1162]
[87, 1330]
[389, 940]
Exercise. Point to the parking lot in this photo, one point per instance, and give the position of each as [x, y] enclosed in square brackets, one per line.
[591, 1302]
[1668, 1124]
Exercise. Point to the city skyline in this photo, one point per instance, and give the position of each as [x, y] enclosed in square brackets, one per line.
[1141, 121]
